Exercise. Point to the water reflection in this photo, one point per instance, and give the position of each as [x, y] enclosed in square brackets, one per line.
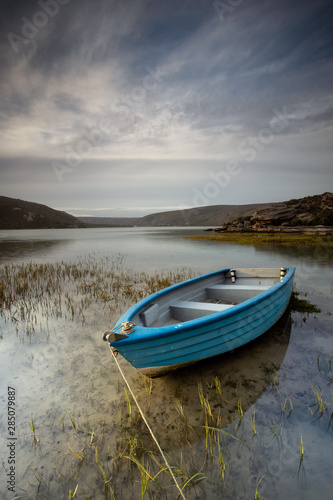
[29, 249]
[320, 255]
[230, 383]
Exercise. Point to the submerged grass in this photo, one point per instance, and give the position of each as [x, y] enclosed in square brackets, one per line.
[297, 304]
[30, 291]
[33, 429]
[121, 451]
[280, 239]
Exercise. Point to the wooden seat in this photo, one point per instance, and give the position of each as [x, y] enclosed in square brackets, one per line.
[232, 286]
[186, 310]
[234, 293]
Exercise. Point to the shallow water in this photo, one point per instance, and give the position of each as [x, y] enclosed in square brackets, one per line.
[62, 373]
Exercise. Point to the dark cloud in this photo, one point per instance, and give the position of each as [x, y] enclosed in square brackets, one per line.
[67, 102]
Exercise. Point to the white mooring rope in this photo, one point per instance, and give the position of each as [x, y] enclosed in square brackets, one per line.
[148, 427]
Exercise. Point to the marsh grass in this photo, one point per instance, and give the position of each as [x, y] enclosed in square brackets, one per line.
[276, 380]
[252, 421]
[31, 293]
[256, 493]
[321, 407]
[221, 461]
[72, 420]
[128, 402]
[280, 239]
[283, 407]
[277, 429]
[240, 410]
[72, 493]
[148, 382]
[301, 455]
[33, 430]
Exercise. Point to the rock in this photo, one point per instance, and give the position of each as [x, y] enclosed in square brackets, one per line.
[276, 216]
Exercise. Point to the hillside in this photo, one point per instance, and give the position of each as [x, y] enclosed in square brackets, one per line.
[201, 216]
[19, 214]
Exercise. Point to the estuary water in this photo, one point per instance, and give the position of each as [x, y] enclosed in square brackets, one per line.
[74, 427]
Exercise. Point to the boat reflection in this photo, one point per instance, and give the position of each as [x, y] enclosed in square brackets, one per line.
[176, 408]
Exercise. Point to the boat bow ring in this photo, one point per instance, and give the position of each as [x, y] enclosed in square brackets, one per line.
[127, 328]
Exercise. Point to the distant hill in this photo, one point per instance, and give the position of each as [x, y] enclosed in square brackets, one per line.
[308, 211]
[110, 221]
[19, 214]
[215, 215]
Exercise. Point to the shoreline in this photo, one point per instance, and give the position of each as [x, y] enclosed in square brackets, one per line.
[268, 238]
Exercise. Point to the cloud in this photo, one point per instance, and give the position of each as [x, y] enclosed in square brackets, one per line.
[165, 82]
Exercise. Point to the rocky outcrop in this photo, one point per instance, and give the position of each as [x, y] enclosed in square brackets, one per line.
[276, 216]
[289, 216]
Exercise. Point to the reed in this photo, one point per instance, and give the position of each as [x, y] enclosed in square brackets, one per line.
[77, 454]
[180, 410]
[283, 407]
[240, 410]
[276, 380]
[256, 493]
[222, 464]
[195, 479]
[37, 476]
[38, 479]
[72, 420]
[253, 423]
[218, 386]
[228, 434]
[33, 429]
[148, 383]
[108, 491]
[129, 408]
[72, 493]
[277, 429]
[320, 405]
[301, 455]
[145, 474]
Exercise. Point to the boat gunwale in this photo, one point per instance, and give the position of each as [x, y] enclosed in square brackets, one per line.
[144, 334]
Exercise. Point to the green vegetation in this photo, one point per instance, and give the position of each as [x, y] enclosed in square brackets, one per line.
[30, 291]
[33, 430]
[280, 239]
[302, 305]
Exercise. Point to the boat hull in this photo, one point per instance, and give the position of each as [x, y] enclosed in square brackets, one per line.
[156, 351]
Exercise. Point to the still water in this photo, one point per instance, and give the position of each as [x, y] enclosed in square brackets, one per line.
[73, 426]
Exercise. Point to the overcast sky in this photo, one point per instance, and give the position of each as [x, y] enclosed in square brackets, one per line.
[124, 108]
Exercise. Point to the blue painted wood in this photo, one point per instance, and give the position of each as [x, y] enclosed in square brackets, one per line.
[154, 351]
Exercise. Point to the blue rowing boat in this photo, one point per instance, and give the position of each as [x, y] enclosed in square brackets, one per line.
[201, 317]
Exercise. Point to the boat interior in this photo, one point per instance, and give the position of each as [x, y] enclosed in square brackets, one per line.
[207, 296]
